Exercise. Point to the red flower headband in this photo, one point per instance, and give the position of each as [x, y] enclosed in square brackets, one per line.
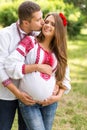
[63, 19]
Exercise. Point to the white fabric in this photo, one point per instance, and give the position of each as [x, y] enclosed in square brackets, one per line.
[67, 80]
[9, 40]
[36, 86]
[33, 83]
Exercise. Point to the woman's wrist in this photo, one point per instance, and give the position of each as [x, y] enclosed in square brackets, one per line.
[30, 68]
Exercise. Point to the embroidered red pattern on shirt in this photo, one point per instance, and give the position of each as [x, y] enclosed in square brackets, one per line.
[6, 82]
[27, 44]
[48, 59]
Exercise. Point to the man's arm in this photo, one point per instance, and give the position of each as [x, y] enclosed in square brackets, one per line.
[24, 97]
[4, 78]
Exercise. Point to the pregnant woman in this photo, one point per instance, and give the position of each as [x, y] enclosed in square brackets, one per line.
[49, 47]
[39, 85]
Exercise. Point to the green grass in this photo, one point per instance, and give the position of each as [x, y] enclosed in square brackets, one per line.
[72, 111]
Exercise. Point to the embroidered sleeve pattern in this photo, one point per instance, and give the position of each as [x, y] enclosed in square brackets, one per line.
[25, 46]
[14, 63]
[6, 82]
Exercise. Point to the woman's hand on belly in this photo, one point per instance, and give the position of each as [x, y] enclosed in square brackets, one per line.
[44, 68]
[54, 98]
[49, 100]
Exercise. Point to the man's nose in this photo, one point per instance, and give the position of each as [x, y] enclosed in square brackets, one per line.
[42, 22]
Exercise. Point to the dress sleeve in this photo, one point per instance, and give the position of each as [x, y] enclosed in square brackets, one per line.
[67, 80]
[14, 63]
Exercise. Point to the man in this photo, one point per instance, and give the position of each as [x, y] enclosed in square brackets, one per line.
[30, 18]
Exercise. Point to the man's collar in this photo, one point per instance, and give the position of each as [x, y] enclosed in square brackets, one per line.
[21, 31]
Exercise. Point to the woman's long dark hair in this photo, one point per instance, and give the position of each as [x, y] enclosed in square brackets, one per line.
[58, 46]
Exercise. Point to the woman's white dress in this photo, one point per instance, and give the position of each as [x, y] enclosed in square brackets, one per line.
[39, 85]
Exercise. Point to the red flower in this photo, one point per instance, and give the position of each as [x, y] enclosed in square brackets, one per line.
[63, 19]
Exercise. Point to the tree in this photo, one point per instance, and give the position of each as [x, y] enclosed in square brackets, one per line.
[82, 4]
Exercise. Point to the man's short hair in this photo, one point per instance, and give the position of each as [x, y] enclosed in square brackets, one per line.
[26, 9]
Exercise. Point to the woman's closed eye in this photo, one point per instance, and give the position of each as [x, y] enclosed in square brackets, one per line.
[49, 22]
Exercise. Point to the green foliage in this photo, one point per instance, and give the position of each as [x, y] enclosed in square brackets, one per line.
[75, 20]
[51, 6]
[8, 14]
[81, 4]
[74, 16]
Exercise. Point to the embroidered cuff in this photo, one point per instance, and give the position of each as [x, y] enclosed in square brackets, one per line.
[23, 69]
[6, 82]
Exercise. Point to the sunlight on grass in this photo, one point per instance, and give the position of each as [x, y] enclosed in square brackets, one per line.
[0, 27]
[83, 31]
[73, 47]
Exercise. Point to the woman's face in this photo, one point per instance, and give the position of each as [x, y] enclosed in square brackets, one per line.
[48, 28]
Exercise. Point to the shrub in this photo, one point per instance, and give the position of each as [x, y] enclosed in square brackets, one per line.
[74, 16]
[75, 20]
[51, 6]
[8, 14]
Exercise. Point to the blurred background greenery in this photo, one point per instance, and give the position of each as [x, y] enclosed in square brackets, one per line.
[74, 10]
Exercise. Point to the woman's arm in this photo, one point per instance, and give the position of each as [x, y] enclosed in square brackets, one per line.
[67, 81]
[44, 68]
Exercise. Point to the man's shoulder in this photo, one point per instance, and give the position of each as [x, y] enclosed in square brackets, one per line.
[8, 29]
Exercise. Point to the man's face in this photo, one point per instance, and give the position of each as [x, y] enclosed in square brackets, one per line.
[36, 22]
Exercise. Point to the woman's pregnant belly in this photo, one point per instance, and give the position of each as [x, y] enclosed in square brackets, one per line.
[36, 86]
